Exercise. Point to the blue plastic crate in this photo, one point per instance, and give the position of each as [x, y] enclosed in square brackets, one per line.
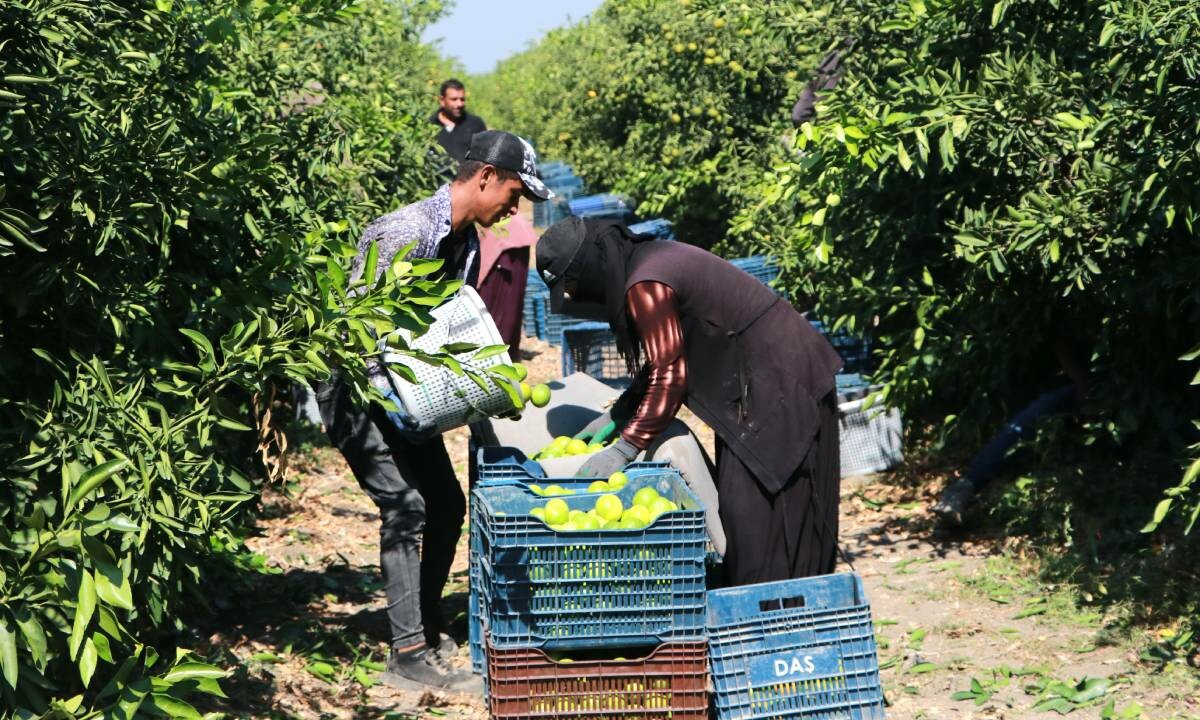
[660, 228]
[565, 185]
[498, 466]
[535, 291]
[590, 589]
[552, 167]
[855, 350]
[602, 206]
[762, 267]
[794, 649]
[592, 348]
[547, 213]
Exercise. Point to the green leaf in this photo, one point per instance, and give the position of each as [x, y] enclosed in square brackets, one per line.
[372, 262]
[85, 605]
[35, 636]
[490, 351]
[1160, 513]
[164, 705]
[8, 651]
[902, 156]
[458, 348]
[192, 670]
[921, 668]
[112, 586]
[1106, 33]
[94, 478]
[963, 695]
[207, 354]
[87, 661]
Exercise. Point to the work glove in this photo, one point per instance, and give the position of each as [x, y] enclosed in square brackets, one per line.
[598, 430]
[407, 424]
[609, 460]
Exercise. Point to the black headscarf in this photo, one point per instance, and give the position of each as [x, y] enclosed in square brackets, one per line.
[601, 252]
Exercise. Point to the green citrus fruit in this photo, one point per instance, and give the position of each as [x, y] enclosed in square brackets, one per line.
[577, 447]
[554, 490]
[598, 486]
[659, 506]
[537, 489]
[539, 513]
[561, 443]
[540, 395]
[557, 512]
[645, 497]
[618, 480]
[637, 513]
[526, 391]
[609, 507]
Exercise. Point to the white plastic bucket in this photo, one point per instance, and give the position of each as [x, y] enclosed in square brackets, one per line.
[442, 399]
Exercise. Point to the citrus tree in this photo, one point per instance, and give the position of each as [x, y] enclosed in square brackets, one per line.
[181, 186]
[679, 104]
[995, 177]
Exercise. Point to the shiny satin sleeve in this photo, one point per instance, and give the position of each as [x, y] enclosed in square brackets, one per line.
[655, 313]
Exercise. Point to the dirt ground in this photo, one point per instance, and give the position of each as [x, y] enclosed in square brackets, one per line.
[954, 614]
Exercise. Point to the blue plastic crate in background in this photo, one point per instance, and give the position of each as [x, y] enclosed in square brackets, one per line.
[547, 213]
[794, 649]
[590, 589]
[602, 206]
[552, 167]
[498, 466]
[591, 348]
[762, 267]
[535, 293]
[855, 350]
[660, 228]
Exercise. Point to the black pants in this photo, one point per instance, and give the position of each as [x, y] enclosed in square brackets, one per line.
[791, 534]
[421, 509]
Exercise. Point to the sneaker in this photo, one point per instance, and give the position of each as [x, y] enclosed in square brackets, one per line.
[954, 502]
[423, 669]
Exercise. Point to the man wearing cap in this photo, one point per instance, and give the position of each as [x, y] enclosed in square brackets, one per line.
[408, 476]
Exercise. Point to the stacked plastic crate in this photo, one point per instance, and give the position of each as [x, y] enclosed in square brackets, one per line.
[616, 207]
[795, 649]
[660, 228]
[582, 624]
[561, 179]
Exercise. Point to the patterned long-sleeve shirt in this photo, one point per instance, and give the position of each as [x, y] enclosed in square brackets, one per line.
[655, 313]
[428, 223]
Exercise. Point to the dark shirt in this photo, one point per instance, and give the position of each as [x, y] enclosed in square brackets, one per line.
[458, 141]
[503, 292]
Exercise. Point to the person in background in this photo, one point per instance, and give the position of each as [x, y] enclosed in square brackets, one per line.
[408, 474]
[1063, 395]
[698, 331]
[503, 274]
[458, 125]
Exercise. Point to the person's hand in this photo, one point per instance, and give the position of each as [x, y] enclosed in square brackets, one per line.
[407, 424]
[600, 423]
[609, 460]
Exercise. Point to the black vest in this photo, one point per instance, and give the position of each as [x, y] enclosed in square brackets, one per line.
[756, 368]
